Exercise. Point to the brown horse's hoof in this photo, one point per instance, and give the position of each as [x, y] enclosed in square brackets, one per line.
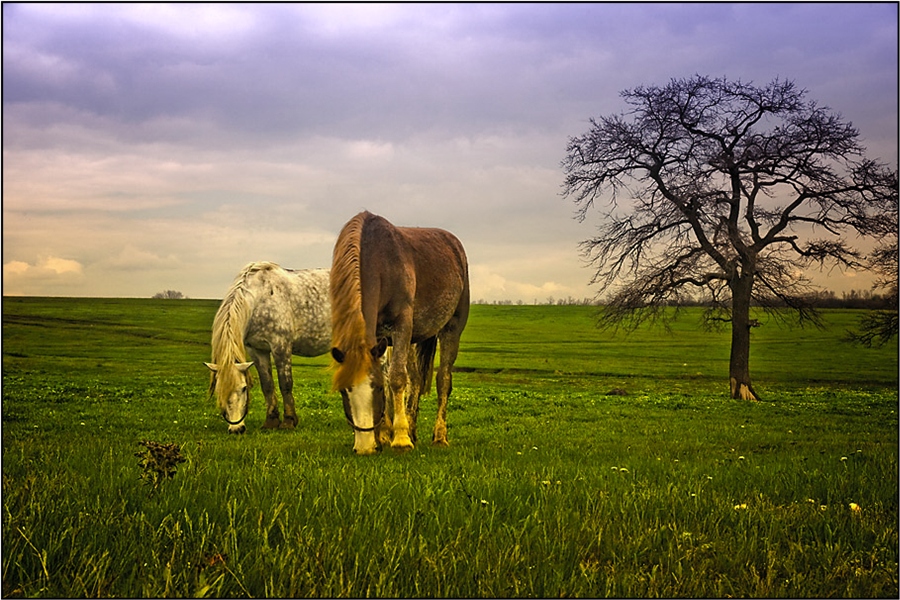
[289, 423]
[272, 423]
[439, 436]
[366, 452]
[402, 443]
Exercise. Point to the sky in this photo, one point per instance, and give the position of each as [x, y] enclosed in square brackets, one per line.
[163, 147]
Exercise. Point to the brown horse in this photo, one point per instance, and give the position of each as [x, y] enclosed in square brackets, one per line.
[406, 287]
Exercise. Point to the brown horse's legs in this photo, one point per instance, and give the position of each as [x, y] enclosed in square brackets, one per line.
[267, 384]
[286, 385]
[444, 380]
[384, 429]
[413, 390]
[399, 382]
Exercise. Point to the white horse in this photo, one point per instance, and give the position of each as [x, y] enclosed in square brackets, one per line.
[268, 312]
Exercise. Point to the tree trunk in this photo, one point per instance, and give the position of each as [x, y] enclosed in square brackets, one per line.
[739, 365]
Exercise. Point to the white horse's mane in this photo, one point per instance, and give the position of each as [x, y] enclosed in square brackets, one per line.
[228, 332]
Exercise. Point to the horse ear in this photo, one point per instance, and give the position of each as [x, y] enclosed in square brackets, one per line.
[242, 367]
[212, 367]
[337, 355]
[379, 349]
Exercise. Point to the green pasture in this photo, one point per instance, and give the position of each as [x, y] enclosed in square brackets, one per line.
[582, 463]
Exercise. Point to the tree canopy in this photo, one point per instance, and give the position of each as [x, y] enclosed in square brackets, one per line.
[725, 189]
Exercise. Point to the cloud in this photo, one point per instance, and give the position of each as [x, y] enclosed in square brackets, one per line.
[164, 146]
[61, 266]
[488, 285]
[49, 273]
[370, 150]
[48, 266]
[132, 258]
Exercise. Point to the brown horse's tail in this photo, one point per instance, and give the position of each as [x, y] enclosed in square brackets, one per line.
[348, 327]
[426, 351]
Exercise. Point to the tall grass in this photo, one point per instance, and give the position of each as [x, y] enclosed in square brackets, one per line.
[551, 487]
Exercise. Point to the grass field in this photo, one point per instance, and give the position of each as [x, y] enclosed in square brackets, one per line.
[551, 486]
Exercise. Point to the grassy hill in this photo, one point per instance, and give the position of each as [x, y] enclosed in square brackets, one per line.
[551, 485]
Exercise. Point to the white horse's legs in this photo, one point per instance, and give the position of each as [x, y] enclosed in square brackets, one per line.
[264, 369]
[286, 385]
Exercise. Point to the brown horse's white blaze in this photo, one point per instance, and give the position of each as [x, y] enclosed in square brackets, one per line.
[403, 286]
[361, 406]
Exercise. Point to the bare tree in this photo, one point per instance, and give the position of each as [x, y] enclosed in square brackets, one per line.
[168, 295]
[722, 188]
[878, 327]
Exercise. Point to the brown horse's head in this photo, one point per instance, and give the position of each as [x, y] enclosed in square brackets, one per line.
[364, 401]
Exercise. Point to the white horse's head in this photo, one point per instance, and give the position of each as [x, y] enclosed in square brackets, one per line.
[231, 385]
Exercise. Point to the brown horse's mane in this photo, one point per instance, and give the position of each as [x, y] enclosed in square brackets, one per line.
[348, 327]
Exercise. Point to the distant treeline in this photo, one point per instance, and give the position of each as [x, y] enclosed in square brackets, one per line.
[551, 301]
[169, 295]
[853, 299]
[862, 299]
